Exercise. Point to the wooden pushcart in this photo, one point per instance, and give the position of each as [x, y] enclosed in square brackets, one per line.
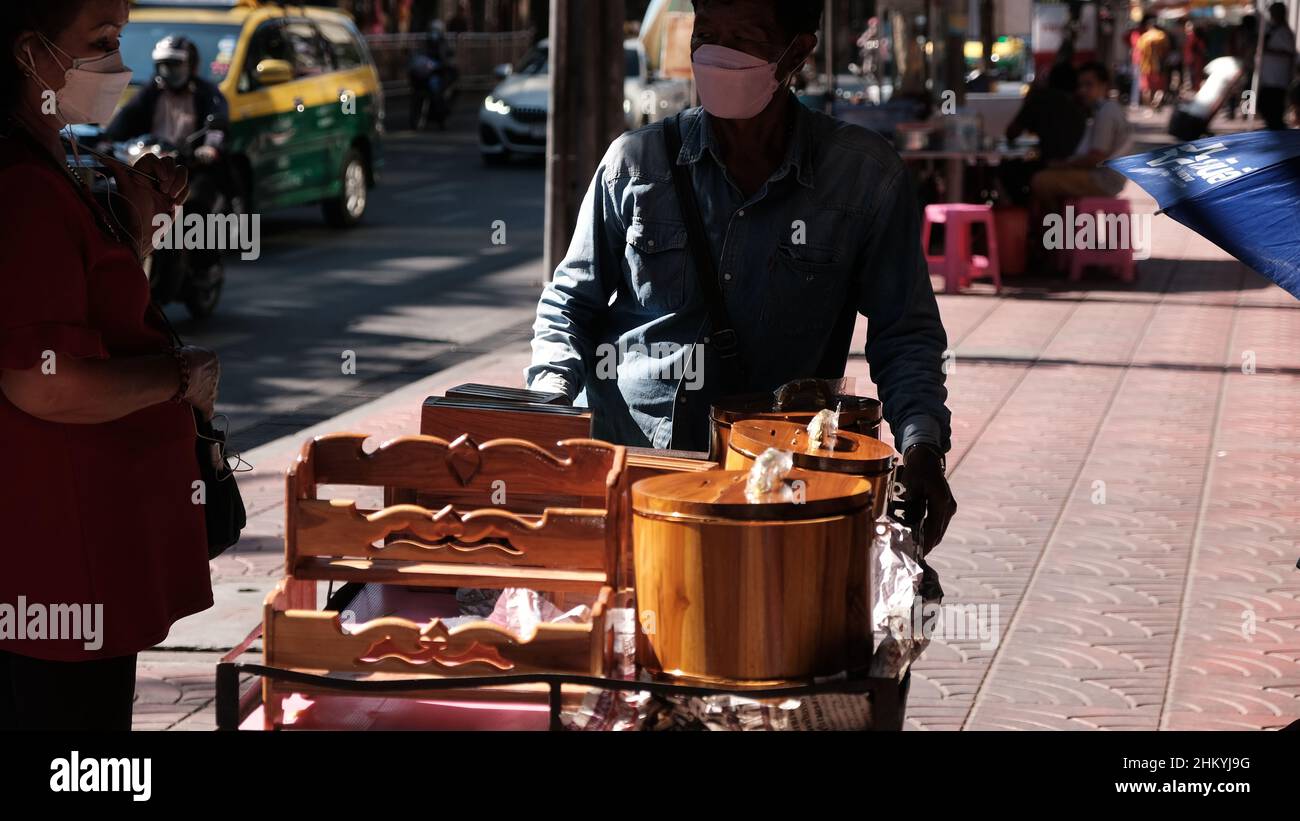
[507, 513]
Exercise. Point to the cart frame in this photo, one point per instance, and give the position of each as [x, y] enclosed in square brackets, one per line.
[888, 696]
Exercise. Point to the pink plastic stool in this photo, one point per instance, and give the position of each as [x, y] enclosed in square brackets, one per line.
[958, 266]
[1117, 259]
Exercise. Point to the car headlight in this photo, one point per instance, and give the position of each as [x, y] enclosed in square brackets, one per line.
[496, 106]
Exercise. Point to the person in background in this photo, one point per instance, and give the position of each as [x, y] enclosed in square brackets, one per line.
[1173, 67]
[1053, 113]
[1152, 46]
[182, 108]
[871, 45]
[1193, 57]
[178, 106]
[460, 21]
[1276, 68]
[1135, 63]
[1107, 135]
[1241, 46]
[97, 408]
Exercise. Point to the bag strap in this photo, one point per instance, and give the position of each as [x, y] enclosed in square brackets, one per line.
[723, 334]
[167, 324]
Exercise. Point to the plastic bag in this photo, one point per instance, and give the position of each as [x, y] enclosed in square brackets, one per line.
[521, 610]
[811, 394]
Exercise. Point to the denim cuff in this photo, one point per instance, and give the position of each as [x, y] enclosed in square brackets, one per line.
[919, 430]
[552, 382]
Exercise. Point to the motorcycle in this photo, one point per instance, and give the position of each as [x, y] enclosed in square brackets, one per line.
[434, 88]
[192, 276]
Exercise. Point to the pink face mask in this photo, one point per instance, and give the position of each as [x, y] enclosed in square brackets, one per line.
[734, 85]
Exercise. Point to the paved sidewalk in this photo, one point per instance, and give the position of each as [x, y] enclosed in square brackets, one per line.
[1129, 499]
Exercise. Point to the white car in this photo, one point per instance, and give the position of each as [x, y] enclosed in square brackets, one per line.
[512, 121]
[646, 98]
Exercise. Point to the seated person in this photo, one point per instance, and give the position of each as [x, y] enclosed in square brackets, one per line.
[1054, 114]
[1106, 136]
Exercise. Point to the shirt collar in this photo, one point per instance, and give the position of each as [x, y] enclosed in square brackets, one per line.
[699, 138]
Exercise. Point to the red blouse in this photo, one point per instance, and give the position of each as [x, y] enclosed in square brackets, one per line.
[89, 514]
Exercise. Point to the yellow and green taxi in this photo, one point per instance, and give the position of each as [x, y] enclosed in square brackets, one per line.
[306, 103]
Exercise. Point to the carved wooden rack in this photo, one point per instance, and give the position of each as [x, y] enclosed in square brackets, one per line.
[458, 532]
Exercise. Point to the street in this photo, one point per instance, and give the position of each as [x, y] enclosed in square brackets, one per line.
[417, 287]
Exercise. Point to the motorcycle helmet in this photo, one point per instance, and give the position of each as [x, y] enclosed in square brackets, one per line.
[175, 59]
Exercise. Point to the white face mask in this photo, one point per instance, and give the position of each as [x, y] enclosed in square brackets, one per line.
[92, 85]
[734, 85]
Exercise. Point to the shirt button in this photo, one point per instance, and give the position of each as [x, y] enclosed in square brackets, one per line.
[741, 213]
[727, 277]
[706, 340]
[682, 399]
[650, 243]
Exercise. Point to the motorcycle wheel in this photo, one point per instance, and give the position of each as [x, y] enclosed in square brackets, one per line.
[347, 209]
[201, 297]
[419, 111]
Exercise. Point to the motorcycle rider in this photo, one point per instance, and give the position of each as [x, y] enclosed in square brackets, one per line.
[174, 108]
[433, 72]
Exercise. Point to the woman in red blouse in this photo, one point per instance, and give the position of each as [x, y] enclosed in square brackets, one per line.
[103, 546]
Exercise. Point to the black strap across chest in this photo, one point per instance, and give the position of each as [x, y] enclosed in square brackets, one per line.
[723, 333]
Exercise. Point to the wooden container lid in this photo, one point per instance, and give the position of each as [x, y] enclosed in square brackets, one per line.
[733, 409]
[720, 494]
[851, 453]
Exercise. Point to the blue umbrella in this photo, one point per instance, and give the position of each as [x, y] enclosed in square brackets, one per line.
[1241, 192]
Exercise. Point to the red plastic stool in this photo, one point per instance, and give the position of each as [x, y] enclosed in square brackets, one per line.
[958, 265]
[1117, 259]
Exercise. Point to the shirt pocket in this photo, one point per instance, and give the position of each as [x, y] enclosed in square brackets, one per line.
[804, 290]
[656, 264]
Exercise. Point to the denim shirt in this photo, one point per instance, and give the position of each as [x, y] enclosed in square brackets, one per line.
[623, 326]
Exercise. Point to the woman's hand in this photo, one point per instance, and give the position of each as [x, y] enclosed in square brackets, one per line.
[205, 375]
[148, 199]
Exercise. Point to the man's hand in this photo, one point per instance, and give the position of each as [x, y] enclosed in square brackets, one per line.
[929, 506]
[206, 154]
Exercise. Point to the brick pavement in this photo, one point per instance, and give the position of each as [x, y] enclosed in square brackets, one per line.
[1129, 499]
[1172, 601]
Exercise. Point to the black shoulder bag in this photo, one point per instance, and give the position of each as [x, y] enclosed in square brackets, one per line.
[223, 506]
[723, 333]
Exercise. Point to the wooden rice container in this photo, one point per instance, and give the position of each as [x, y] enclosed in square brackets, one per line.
[730, 591]
[858, 414]
[852, 453]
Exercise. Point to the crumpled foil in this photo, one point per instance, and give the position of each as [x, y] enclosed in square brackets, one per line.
[768, 474]
[902, 584]
[823, 429]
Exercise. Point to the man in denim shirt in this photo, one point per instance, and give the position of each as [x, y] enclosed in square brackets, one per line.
[807, 218]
